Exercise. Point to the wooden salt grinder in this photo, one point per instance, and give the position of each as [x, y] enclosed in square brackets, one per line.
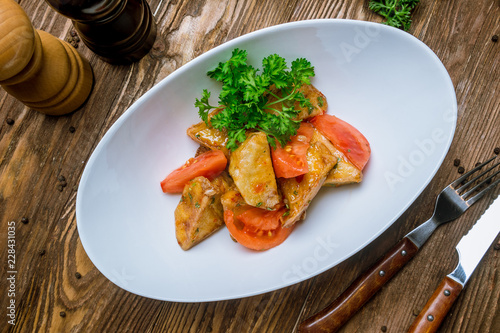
[40, 70]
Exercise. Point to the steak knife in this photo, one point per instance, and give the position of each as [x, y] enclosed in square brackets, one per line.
[470, 249]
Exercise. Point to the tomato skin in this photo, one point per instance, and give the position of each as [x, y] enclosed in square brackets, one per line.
[259, 219]
[247, 234]
[209, 165]
[344, 137]
[290, 161]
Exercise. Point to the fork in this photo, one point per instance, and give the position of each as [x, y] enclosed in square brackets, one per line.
[451, 203]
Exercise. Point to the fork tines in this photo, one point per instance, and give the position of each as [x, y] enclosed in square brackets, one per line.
[480, 182]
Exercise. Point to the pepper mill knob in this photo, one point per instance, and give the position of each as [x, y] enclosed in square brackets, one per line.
[17, 40]
[40, 70]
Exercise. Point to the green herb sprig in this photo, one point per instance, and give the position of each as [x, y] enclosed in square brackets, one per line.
[244, 99]
[397, 12]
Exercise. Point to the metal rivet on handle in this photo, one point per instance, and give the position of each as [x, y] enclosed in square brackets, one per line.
[447, 292]
[403, 253]
[430, 317]
[381, 273]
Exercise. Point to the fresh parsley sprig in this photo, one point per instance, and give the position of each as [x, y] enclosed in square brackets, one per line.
[244, 99]
[397, 12]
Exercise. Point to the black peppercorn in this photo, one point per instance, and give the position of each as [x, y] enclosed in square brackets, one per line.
[461, 169]
[456, 162]
[9, 121]
[494, 38]
[60, 188]
[78, 275]
[41, 253]
[383, 328]
[72, 129]
[61, 178]
[25, 220]
[496, 150]
[62, 314]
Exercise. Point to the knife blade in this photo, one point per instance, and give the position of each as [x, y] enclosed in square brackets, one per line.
[471, 250]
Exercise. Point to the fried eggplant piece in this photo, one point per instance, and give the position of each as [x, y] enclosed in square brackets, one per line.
[318, 101]
[208, 137]
[344, 172]
[299, 191]
[199, 212]
[251, 168]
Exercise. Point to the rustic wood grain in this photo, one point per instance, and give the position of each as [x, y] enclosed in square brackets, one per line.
[37, 150]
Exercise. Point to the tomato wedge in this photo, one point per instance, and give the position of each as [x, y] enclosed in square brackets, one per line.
[209, 165]
[256, 228]
[259, 219]
[344, 137]
[290, 161]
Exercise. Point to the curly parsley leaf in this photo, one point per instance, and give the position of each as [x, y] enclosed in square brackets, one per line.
[396, 12]
[302, 71]
[243, 102]
[203, 105]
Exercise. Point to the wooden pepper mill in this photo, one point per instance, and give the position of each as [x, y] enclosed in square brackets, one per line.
[40, 70]
[119, 31]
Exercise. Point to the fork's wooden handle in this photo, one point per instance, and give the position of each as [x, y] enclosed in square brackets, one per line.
[437, 307]
[335, 315]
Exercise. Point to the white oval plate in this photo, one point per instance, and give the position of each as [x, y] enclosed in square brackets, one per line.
[383, 81]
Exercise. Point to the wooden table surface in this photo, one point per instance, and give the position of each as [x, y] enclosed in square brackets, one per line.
[58, 289]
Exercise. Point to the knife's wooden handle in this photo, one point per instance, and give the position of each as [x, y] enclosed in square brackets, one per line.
[437, 307]
[346, 305]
